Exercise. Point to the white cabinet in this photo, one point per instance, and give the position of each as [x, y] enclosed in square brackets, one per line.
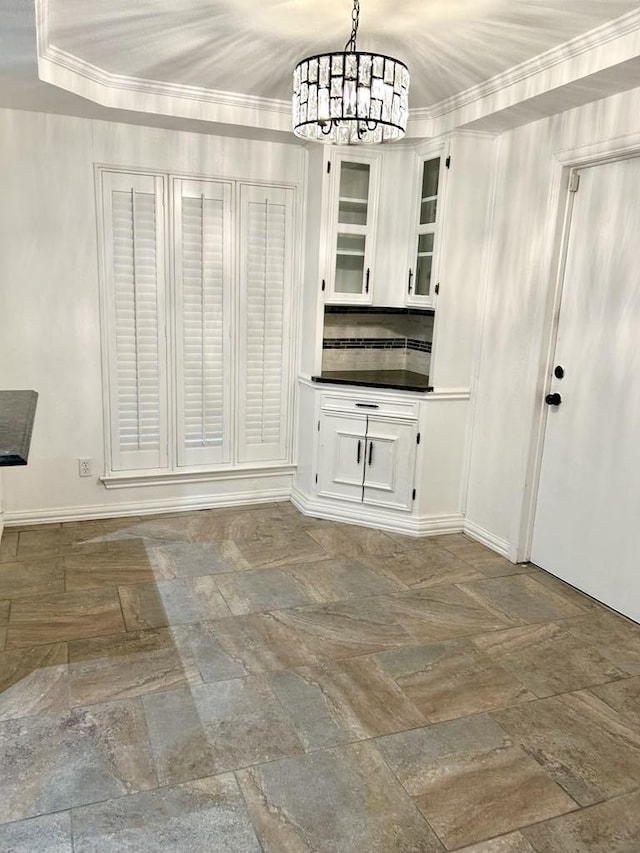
[353, 206]
[383, 221]
[367, 458]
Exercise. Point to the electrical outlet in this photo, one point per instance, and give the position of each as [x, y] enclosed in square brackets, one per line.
[84, 467]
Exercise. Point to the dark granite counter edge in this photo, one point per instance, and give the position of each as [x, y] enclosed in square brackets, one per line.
[377, 309]
[328, 380]
[17, 430]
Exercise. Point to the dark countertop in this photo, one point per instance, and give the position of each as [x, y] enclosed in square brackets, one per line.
[17, 413]
[403, 380]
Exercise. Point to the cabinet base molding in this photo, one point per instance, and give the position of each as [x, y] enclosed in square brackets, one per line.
[426, 525]
[151, 507]
[501, 546]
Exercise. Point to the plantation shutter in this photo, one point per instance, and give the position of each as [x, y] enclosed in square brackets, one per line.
[134, 272]
[202, 234]
[266, 217]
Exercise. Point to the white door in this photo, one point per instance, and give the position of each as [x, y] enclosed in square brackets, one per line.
[390, 463]
[342, 456]
[588, 507]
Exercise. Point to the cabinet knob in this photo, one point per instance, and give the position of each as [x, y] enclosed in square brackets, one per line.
[553, 399]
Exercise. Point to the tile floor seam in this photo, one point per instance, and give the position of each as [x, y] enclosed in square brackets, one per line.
[248, 810]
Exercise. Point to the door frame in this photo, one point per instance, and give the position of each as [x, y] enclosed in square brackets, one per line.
[567, 162]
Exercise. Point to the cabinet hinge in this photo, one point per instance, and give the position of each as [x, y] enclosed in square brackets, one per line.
[413, 495]
[574, 182]
[447, 162]
[437, 288]
[324, 284]
[328, 167]
[418, 439]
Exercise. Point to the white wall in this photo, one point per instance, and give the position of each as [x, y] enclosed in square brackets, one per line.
[49, 298]
[515, 328]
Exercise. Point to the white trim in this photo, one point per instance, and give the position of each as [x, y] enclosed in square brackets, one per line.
[602, 48]
[500, 546]
[427, 525]
[593, 154]
[486, 277]
[68, 71]
[626, 24]
[133, 479]
[165, 505]
[596, 153]
[605, 46]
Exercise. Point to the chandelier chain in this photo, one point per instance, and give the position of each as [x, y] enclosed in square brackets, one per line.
[355, 20]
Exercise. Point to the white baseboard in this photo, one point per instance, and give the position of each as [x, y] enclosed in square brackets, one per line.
[360, 514]
[500, 546]
[152, 507]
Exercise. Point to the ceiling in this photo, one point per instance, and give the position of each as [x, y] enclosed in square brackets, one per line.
[249, 47]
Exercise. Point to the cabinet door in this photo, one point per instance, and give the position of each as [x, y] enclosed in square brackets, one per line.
[423, 273]
[390, 463]
[354, 201]
[341, 456]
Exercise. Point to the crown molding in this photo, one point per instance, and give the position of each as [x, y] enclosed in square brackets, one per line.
[603, 47]
[74, 74]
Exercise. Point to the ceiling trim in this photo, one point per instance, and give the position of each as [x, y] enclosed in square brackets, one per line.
[74, 74]
[603, 47]
[628, 24]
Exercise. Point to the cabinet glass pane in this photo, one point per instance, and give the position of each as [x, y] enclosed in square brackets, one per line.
[423, 275]
[428, 212]
[349, 273]
[352, 213]
[354, 180]
[430, 177]
[354, 193]
[351, 243]
[425, 243]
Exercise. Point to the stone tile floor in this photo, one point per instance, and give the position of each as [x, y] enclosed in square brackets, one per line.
[254, 680]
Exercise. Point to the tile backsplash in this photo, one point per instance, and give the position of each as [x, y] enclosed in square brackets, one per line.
[377, 341]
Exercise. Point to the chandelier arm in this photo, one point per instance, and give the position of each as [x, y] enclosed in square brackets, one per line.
[355, 20]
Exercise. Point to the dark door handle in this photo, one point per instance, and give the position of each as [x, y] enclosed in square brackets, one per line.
[370, 452]
[553, 399]
[359, 451]
[410, 280]
[366, 287]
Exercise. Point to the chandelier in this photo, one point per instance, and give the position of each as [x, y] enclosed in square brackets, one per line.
[350, 97]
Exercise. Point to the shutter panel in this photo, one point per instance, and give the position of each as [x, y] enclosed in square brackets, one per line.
[202, 232]
[266, 222]
[134, 278]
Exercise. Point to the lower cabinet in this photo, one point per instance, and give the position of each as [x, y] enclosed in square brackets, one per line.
[367, 458]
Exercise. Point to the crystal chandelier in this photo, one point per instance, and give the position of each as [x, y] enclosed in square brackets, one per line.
[350, 97]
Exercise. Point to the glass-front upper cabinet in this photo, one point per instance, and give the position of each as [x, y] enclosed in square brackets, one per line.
[354, 200]
[422, 287]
